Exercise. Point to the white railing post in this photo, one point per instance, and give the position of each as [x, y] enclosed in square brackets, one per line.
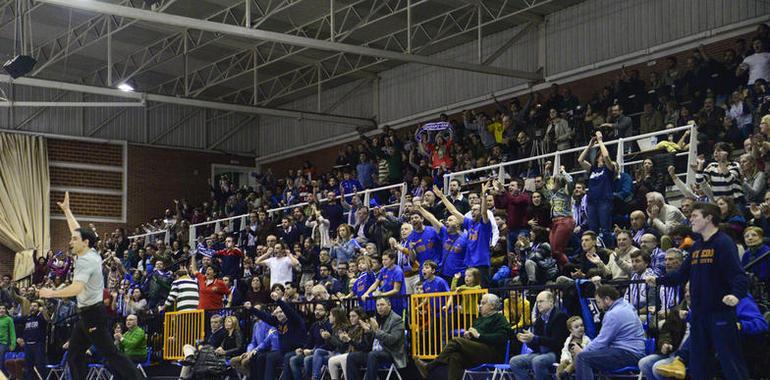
[403, 197]
[447, 179]
[501, 173]
[619, 155]
[367, 197]
[556, 164]
[167, 237]
[692, 155]
[217, 227]
[192, 238]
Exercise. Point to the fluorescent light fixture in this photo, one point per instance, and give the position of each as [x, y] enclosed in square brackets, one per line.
[125, 87]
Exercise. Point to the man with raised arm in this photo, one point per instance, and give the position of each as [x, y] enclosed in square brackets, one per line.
[87, 285]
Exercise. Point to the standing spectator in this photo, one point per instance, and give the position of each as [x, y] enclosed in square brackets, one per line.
[232, 259]
[211, 289]
[515, 202]
[281, 263]
[562, 222]
[388, 345]
[620, 342]
[319, 228]
[560, 131]
[345, 246]
[7, 335]
[754, 180]
[389, 283]
[601, 176]
[549, 333]
[184, 294]
[722, 176]
[33, 339]
[757, 64]
[651, 120]
[365, 171]
[620, 124]
[717, 283]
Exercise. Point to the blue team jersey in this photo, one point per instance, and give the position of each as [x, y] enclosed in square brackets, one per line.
[361, 285]
[452, 252]
[479, 236]
[436, 285]
[387, 278]
[426, 245]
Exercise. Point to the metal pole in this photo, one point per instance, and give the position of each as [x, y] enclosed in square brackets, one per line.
[319, 89]
[248, 14]
[109, 51]
[255, 79]
[479, 36]
[409, 26]
[331, 21]
[186, 64]
[692, 154]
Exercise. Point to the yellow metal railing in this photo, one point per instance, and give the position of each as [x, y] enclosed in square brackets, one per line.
[181, 328]
[438, 317]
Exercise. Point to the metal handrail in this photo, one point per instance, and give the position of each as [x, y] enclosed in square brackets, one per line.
[366, 192]
[557, 155]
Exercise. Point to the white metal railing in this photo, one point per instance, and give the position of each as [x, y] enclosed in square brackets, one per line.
[166, 236]
[367, 193]
[691, 154]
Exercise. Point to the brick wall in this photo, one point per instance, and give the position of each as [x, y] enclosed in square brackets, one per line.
[156, 176]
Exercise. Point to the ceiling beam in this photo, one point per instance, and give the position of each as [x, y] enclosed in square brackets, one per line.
[255, 34]
[340, 119]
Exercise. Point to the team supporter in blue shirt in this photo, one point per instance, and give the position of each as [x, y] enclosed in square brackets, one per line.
[453, 244]
[431, 317]
[362, 283]
[600, 190]
[479, 229]
[389, 283]
[424, 240]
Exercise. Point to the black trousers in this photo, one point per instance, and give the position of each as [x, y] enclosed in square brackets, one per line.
[92, 328]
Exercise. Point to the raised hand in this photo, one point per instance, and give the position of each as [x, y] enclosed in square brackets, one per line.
[65, 204]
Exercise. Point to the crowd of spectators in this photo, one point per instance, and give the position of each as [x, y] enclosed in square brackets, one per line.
[532, 226]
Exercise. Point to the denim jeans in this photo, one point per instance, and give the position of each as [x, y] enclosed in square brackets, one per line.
[607, 359]
[599, 215]
[540, 364]
[3, 350]
[320, 358]
[648, 364]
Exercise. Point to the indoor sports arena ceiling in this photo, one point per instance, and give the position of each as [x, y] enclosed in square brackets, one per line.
[221, 50]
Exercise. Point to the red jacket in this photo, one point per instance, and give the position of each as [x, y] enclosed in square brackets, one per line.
[516, 208]
[211, 295]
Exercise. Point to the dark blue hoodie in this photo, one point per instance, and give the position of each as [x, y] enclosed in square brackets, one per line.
[292, 331]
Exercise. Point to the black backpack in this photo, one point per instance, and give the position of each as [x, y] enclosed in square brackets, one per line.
[208, 364]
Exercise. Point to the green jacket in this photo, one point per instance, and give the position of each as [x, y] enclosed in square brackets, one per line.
[7, 332]
[493, 329]
[134, 343]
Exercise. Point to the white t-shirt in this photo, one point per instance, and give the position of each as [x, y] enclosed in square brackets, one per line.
[759, 66]
[281, 270]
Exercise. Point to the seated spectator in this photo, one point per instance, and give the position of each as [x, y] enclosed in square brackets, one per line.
[479, 344]
[576, 338]
[292, 332]
[349, 338]
[549, 333]
[649, 243]
[636, 294]
[670, 339]
[756, 248]
[316, 346]
[516, 309]
[262, 337]
[662, 217]
[133, 342]
[388, 345]
[620, 342]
